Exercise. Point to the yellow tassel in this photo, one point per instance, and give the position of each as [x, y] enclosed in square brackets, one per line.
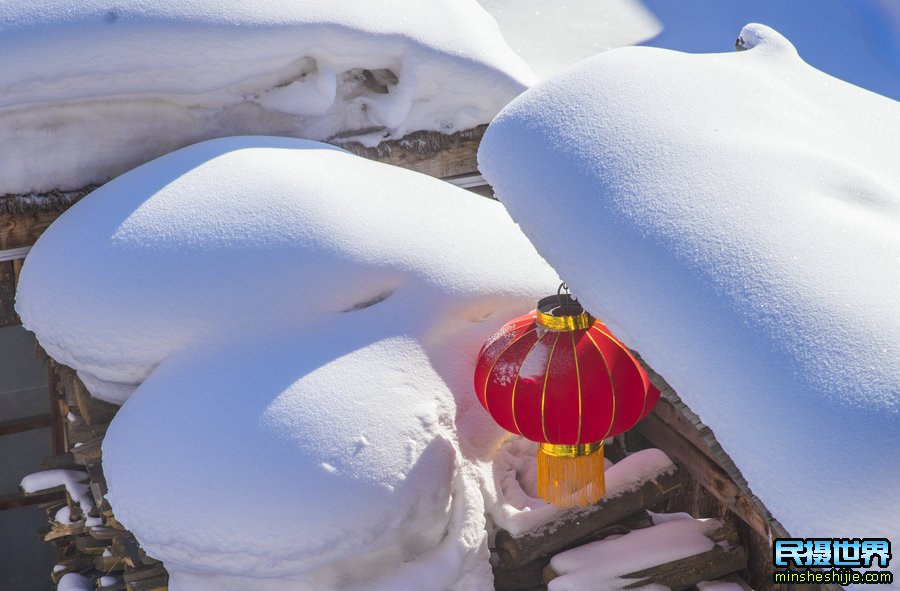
[571, 475]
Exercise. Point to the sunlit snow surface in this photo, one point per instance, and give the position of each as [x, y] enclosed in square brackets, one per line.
[92, 88]
[293, 330]
[736, 219]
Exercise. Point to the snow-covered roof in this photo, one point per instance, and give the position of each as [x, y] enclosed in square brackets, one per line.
[735, 218]
[91, 89]
[298, 327]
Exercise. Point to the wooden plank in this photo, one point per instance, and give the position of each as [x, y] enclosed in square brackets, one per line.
[24, 500]
[520, 578]
[93, 410]
[24, 228]
[108, 564]
[98, 484]
[82, 432]
[135, 556]
[61, 530]
[685, 423]
[430, 153]
[73, 564]
[157, 583]
[707, 472]
[104, 532]
[127, 547]
[8, 316]
[90, 546]
[58, 407]
[697, 433]
[107, 513]
[63, 461]
[726, 557]
[572, 528]
[148, 578]
[26, 424]
[529, 577]
[89, 452]
[82, 399]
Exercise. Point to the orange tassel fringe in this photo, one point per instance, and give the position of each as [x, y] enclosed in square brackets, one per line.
[571, 475]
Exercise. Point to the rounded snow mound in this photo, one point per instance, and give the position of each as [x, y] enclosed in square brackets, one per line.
[253, 232]
[736, 218]
[293, 331]
[144, 78]
[321, 457]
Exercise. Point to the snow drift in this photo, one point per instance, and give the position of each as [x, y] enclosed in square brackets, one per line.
[293, 330]
[253, 233]
[92, 89]
[735, 218]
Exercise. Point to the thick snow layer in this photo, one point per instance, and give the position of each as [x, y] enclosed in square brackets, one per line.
[735, 218]
[257, 232]
[598, 566]
[856, 41]
[302, 326]
[327, 455]
[92, 89]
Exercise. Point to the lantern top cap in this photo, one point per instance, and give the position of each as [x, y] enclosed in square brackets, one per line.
[562, 312]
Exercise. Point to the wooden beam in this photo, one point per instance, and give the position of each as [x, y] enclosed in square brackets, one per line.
[82, 432]
[23, 229]
[72, 564]
[92, 410]
[521, 578]
[62, 530]
[26, 424]
[8, 316]
[24, 500]
[704, 470]
[430, 153]
[573, 527]
[726, 556]
[147, 578]
[88, 453]
[58, 408]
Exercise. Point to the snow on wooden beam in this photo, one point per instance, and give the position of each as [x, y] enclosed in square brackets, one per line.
[642, 489]
[720, 555]
[673, 427]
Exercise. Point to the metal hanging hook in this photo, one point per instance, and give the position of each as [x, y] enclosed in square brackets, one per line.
[559, 293]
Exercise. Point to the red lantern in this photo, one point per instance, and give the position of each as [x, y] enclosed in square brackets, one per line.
[559, 377]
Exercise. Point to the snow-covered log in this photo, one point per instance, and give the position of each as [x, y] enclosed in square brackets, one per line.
[701, 550]
[639, 481]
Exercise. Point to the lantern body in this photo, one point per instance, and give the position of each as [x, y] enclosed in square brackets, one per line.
[559, 377]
